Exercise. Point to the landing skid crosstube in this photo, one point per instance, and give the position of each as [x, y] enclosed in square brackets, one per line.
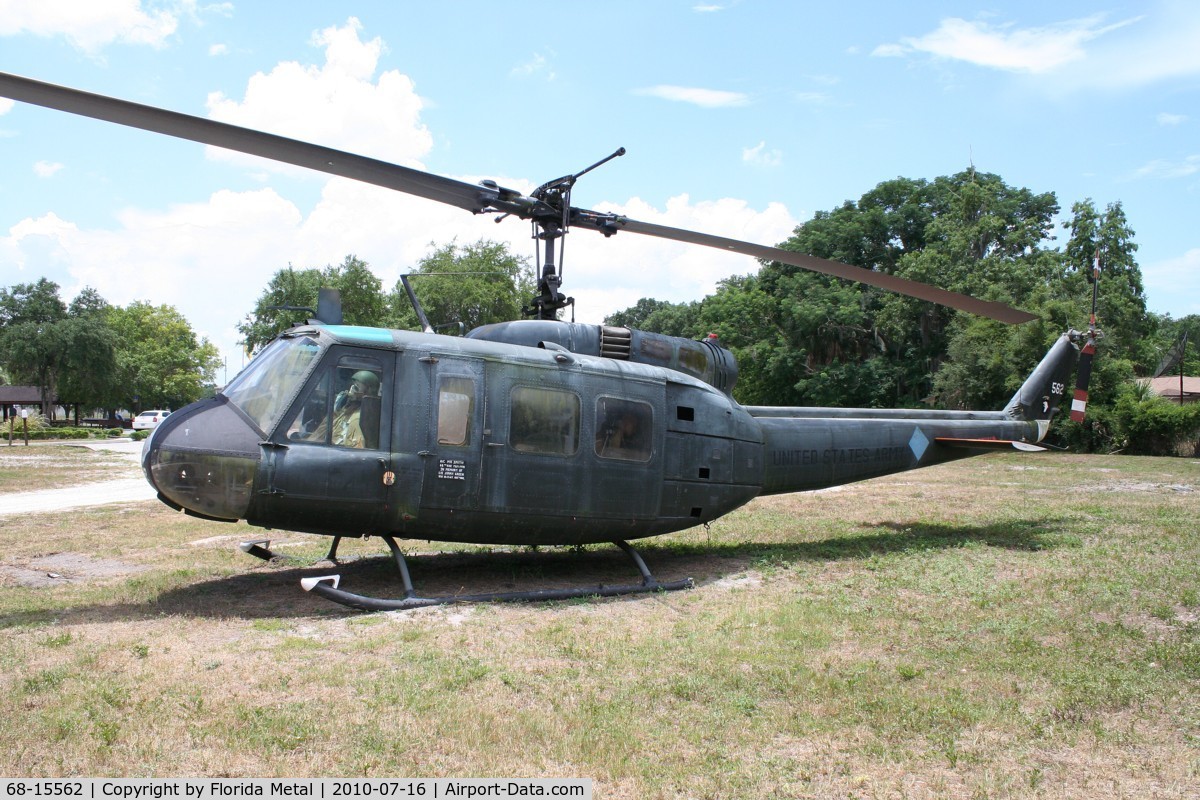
[327, 586]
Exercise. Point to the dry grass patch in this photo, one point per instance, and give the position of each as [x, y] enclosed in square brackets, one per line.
[28, 469]
[985, 629]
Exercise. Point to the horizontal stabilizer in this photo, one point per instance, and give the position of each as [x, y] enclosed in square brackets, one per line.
[989, 444]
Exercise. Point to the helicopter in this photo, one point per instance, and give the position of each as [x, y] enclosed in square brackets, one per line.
[532, 432]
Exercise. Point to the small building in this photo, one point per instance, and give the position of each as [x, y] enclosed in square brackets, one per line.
[1168, 387]
[13, 397]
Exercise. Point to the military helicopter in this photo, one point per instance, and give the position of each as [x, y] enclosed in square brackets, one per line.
[529, 432]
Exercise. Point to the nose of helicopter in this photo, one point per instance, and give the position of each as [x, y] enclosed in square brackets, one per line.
[202, 459]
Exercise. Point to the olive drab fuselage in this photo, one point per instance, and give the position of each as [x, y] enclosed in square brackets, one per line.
[491, 442]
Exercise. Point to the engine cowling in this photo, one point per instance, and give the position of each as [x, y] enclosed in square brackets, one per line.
[705, 359]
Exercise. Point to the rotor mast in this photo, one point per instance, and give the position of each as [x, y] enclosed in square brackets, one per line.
[550, 227]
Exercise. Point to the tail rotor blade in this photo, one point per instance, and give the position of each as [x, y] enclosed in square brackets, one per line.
[1079, 402]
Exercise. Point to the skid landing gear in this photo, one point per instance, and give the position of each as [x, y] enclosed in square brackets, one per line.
[327, 586]
[261, 548]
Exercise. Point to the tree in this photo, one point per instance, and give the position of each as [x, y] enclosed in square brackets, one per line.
[363, 302]
[160, 362]
[808, 339]
[89, 376]
[31, 302]
[474, 284]
[820, 340]
[636, 315]
[67, 352]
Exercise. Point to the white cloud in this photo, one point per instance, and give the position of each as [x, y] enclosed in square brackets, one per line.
[537, 65]
[216, 256]
[1078, 54]
[89, 25]
[890, 50]
[218, 49]
[46, 169]
[337, 105]
[1005, 47]
[1171, 119]
[611, 275]
[6, 105]
[707, 8]
[759, 155]
[705, 98]
[1163, 168]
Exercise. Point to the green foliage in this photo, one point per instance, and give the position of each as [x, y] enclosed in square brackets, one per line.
[31, 302]
[636, 315]
[1164, 340]
[1154, 426]
[288, 287]
[51, 434]
[362, 300]
[803, 338]
[98, 355]
[475, 284]
[160, 363]
[67, 352]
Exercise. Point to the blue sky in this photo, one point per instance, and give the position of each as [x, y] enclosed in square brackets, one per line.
[740, 119]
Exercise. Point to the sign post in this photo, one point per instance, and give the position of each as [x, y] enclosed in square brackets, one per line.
[25, 424]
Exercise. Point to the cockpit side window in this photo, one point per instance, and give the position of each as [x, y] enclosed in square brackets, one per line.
[265, 388]
[343, 406]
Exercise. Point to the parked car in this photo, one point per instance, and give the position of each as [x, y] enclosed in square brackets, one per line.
[148, 420]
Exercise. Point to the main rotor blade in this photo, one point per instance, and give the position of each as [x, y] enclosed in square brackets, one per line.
[462, 195]
[231, 137]
[922, 291]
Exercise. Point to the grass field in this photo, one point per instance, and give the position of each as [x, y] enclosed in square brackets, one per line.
[1005, 626]
[53, 466]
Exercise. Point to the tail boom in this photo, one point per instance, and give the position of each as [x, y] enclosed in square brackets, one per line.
[808, 452]
[812, 448]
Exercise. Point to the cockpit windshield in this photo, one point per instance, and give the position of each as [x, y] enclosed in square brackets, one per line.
[265, 388]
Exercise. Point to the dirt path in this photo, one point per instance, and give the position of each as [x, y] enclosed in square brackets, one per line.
[129, 489]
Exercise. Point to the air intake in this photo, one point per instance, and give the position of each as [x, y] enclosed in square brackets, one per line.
[615, 342]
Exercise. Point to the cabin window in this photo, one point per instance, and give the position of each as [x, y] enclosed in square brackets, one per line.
[544, 421]
[343, 406]
[456, 396]
[623, 429]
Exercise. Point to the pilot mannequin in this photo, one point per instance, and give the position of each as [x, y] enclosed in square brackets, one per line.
[347, 407]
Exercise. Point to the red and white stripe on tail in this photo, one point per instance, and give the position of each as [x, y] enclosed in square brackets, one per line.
[1079, 403]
